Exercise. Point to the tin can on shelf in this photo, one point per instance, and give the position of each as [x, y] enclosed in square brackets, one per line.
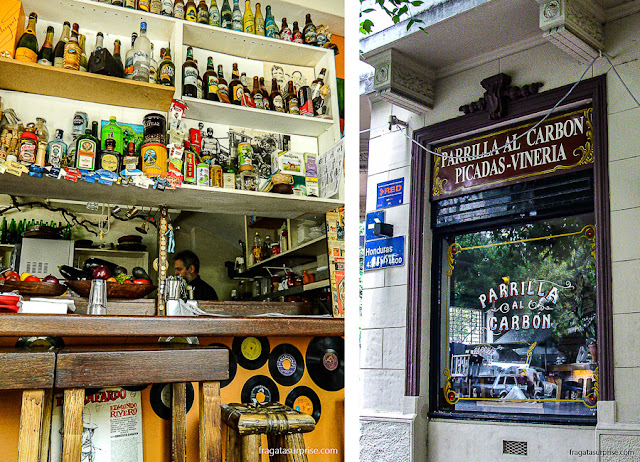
[155, 128]
[154, 159]
[245, 157]
[202, 175]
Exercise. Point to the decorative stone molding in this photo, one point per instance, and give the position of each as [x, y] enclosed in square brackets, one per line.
[402, 82]
[574, 26]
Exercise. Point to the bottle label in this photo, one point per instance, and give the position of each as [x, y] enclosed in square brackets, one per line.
[229, 180]
[71, 58]
[293, 106]
[191, 76]
[156, 6]
[223, 93]
[249, 26]
[189, 168]
[55, 155]
[191, 14]
[259, 100]
[216, 176]
[27, 153]
[213, 84]
[109, 162]
[306, 108]
[143, 5]
[321, 38]
[130, 162]
[260, 27]
[214, 16]
[153, 74]
[167, 8]
[238, 93]
[286, 35]
[27, 55]
[167, 75]
[310, 35]
[203, 16]
[141, 66]
[58, 61]
[128, 68]
[86, 155]
[178, 12]
[80, 123]
[278, 104]
[226, 23]
[297, 37]
[271, 30]
[45, 61]
[245, 154]
[202, 174]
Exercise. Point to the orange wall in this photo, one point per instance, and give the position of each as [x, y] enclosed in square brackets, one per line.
[339, 41]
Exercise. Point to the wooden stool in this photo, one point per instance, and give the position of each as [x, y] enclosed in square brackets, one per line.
[32, 372]
[282, 425]
[83, 367]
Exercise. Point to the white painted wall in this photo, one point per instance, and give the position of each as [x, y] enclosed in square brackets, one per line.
[384, 298]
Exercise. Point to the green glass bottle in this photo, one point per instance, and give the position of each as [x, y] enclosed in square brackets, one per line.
[270, 26]
[167, 70]
[4, 231]
[86, 150]
[114, 131]
[12, 234]
[236, 17]
[27, 49]
[226, 16]
[214, 14]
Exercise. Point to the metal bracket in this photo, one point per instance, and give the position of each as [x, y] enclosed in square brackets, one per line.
[393, 120]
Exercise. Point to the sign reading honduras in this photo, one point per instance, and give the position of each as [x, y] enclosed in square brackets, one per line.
[390, 193]
[383, 253]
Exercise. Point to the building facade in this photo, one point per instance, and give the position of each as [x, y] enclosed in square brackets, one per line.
[509, 329]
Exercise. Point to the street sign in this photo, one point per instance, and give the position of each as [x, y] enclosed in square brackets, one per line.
[390, 193]
[384, 253]
[373, 218]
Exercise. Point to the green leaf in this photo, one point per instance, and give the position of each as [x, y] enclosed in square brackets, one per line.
[368, 10]
[411, 22]
[365, 26]
[395, 19]
[416, 3]
[403, 10]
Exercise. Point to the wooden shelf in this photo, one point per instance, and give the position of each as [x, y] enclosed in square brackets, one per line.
[187, 198]
[115, 252]
[7, 246]
[294, 290]
[306, 251]
[71, 325]
[267, 223]
[83, 86]
[259, 119]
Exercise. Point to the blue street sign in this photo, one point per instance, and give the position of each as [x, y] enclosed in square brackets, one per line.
[383, 253]
[390, 193]
[372, 218]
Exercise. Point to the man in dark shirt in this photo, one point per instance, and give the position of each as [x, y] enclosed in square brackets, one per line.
[187, 265]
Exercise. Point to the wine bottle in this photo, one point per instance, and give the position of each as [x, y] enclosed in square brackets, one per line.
[45, 56]
[27, 49]
[58, 51]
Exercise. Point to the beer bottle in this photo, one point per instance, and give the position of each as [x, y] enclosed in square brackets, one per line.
[248, 23]
[236, 17]
[259, 20]
[178, 9]
[256, 94]
[46, 52]
[226, 16]
[166, 70]
[309, 32]
[265, 95]
[247, 100]
[190, 11]
[27, 49]
[270, 26]
[190, 76]
[210, 82]
[236, 89]
[203, 12]
[316, 96]
[214, 14]
[143, 5]
[291, 102]
[223, 89]
[58, 51]
[297, 35]
[275, 99]
[285, 32]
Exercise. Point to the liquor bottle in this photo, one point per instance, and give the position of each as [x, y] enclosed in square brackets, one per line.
[259, 21]
[72, 52]
[167, 8]
[4, 231]
[190, 76]
[275, 98]
[12, 234]
[214, 14]
[130, 4]
[297, 35]
[191, 11]
[58, 51]
[128, 59]
[86, 150]
[199, 84]
[215, 172]
[178, 9]
[316, 95]
[291, 101]
[270, 26]
[131, 161]
[284, 241]
[141, 55]
[153, 68]
[84, 62]
[265, 95]
[203, 12]
[56, 150]
[247, 100]
[236, 17]
[109, 159]
[226, 16]
[143, 5]
[210, 82]
[257, 248]
[94, 132]
[309, 32]
[248, 23]
[223, 89]
[155, 6]
[116, 55]
[46, 52]
[236, 90]
[112, 131]
[41, 130]
[256, 94]
[27, 49]
[190, 162]
[305, 102]
[166, 70]
[285, 32]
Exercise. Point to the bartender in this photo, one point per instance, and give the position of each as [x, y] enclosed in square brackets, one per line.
[187, 265]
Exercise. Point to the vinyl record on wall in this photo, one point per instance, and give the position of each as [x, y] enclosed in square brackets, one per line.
[160, 398]
[260, 389]
[286, 364]
[325, 362]
[304, 399]
[251, 352]
[233, 365]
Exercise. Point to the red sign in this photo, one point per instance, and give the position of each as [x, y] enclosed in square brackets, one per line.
[515, 154]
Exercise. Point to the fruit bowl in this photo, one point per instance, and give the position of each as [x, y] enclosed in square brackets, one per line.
[114, 289]
[52, 289]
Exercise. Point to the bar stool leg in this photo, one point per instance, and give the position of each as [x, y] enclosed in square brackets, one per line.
[294, 442]
[31, 420]
[179, 422]
[251, 448]
[276, 442]
[45, 441]
[210, 422]
[233, 446]
[72, 437]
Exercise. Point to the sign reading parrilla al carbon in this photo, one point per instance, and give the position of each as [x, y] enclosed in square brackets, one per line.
[383, 253]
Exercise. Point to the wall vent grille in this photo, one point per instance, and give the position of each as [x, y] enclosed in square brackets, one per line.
[516, 448]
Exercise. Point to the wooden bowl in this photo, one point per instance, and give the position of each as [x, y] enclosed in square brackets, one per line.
[114, 289]
[51, 289]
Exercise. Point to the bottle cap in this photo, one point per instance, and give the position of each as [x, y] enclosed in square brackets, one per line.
[59, 133]
[110, 143]
[143, 26]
